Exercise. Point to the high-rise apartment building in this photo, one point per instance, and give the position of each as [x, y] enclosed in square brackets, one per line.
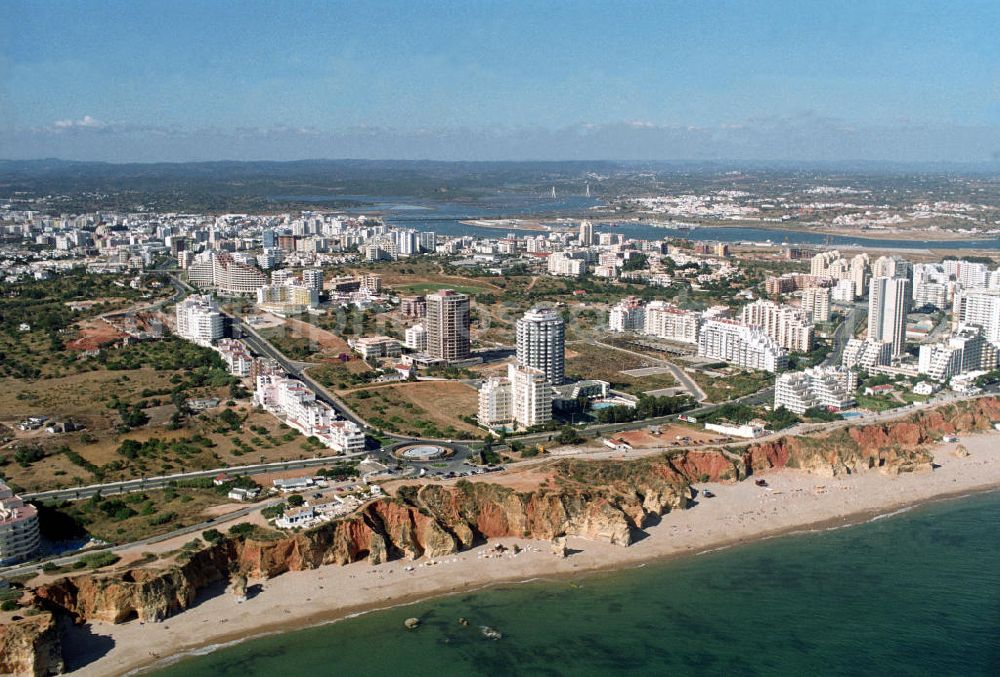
[313, 278]
[448, 323]
[892, 266]
[199, 320]
[531, 396]
[563, 264]
[415, 338]
[523, 399]
[741, 345]
[787, 325]
[966, 350]
[816, 304]
[829, 388]
[866, 354]
[495, 407]
[586, 233]
[19, 531]
[889, 300]
[268, 239]
[541, 342]
[628, 315]
[979, 307]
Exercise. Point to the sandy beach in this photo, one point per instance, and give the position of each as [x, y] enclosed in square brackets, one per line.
[793, 501]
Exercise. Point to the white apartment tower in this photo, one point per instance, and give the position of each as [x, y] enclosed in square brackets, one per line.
[816, 304]
[741, 345]
[669, 322]
[967, 350]
[866, 354]
[628, 315]
[563, 264]
[19, 533]
[787, 325]
[828, 388]
[531, 396]
[313, 278]
[889, 300]
[415, 338]
[541, 342]
[199, 320]
[979, 307]
[586, 233]
[892, 266]
[495, 406]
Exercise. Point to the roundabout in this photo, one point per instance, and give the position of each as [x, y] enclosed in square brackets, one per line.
[422, 452]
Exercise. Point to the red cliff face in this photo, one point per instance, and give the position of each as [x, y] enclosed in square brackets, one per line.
[601, 500]
[605, 501]
[893, 447]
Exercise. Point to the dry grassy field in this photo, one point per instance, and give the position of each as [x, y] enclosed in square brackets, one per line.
[261, 438]
[426, 408]
[584, 360]
[80, 396]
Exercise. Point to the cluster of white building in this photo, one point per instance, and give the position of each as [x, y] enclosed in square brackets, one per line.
[227, 274]
[853, 273]
[789, 326]
[296, 405]
[522, 399]
[760, 341]
[658, 319]
[199, 320]
[966, 350]
[830, 388]
[236, 355]
[525, 397]
[288, 298]
[741, 345]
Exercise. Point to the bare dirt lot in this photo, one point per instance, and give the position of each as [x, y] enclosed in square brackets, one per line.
[93, 334]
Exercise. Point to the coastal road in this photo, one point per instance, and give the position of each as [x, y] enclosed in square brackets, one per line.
[163, 481]
[35, 567]
[844, 332]
[213, 522]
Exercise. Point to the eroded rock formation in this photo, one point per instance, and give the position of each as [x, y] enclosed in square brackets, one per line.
[600, 500]
[30, 646]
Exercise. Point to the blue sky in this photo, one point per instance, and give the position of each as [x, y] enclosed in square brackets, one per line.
[806, 80]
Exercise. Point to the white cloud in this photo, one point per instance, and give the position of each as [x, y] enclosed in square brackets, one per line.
[86, 122]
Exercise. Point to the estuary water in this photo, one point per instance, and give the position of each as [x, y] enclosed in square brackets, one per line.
[445, 218]
[916, 593]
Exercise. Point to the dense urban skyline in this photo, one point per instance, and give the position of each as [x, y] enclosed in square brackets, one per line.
[899, 81]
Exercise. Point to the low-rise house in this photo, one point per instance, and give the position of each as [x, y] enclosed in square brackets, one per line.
[749, 430]
[244, 495]
[63, 427]
[202, 404]
[294, 484]
[295, 517]
[618, 444]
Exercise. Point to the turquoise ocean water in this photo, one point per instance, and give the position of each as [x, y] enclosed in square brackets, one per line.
[910, 594]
